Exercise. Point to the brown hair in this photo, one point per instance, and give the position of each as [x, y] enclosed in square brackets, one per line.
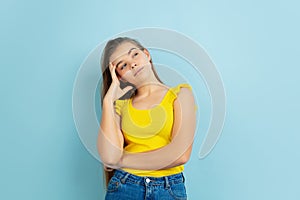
[110, 47]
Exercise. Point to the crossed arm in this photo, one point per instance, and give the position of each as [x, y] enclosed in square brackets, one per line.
[177, 152]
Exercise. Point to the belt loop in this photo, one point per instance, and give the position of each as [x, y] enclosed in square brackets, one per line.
[124, 178]
[167, 182]
[183, 177]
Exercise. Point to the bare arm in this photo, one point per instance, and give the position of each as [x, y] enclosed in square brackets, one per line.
[110, 138]
[178, 151]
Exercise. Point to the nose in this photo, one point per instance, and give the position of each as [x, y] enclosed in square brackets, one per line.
[133, 65]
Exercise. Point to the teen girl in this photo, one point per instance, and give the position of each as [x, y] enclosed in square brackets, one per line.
[147, 128]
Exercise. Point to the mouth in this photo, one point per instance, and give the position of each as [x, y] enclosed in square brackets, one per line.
[138, 71]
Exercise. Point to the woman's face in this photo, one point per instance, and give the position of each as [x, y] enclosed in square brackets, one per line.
[132, 64]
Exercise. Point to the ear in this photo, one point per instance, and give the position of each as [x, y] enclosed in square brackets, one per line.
[147, 54]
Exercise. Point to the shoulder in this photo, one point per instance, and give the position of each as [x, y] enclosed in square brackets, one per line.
[119, 104]
[182, 90]
[184, 97]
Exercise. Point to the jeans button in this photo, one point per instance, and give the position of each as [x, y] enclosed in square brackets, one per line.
[147, 180]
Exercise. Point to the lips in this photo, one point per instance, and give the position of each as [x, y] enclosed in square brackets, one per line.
[138, 71]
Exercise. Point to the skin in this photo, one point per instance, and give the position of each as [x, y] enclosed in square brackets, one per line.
[150, 91]
[125, 66]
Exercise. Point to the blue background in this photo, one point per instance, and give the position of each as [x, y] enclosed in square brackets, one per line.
[254, 44]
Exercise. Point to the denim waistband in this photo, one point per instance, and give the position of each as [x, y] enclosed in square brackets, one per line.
[142, 180]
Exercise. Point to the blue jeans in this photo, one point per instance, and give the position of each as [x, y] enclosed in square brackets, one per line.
[127, 186]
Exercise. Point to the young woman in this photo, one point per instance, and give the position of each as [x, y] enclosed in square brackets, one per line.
[147, 128]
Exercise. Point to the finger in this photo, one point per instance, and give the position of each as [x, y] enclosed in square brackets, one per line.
[112, 71]
[111, 66]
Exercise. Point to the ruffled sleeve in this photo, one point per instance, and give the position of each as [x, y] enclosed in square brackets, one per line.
[175, 90]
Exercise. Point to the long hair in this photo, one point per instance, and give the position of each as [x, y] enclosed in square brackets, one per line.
[109, 49]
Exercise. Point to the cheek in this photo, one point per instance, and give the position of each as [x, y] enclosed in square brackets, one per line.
[120, 73]
[117, 73]
[145, 58]
[127, 75]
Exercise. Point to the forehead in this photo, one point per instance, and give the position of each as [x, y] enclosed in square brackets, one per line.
[121, 51]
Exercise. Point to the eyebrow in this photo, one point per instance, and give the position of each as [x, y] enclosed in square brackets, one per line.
[127, 54]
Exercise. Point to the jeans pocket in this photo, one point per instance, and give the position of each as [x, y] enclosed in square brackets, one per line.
[178, 191]
[113, 184]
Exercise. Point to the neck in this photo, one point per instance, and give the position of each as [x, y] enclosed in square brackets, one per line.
[148, 87]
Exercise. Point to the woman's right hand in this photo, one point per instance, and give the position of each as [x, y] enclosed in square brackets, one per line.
[115, 92]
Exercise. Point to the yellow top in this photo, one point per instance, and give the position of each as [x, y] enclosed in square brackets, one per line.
[149, 129]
